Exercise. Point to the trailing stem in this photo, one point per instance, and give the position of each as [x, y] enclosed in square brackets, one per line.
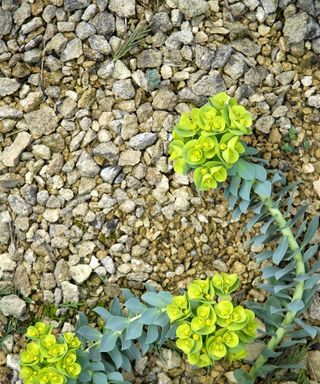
[298, 292]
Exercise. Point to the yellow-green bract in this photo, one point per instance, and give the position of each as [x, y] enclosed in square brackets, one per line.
[210, 327]
[47, 360]
[208, 140]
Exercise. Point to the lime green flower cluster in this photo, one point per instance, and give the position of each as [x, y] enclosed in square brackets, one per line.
[210, 327]
[208, 140]
[48, 360]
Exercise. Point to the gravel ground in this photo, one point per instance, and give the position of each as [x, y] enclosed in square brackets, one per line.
[88, 200]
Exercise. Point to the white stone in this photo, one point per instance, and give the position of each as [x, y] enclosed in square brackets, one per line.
[11, 154]
[80, 273]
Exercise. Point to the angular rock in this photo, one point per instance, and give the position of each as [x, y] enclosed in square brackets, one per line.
[21, 280]
[121, 71]
[105, 23]
[285, 78]
[235, 67]
[178, 39]
[264, 124]
[12, 305]
[11, 154]
[221, 56]
[73, 50]
[204, 57]
[85, 30]
[123, 8]
[143, 140]
[256, 75]
[313, 363]
[192, 8]
[80, 273]
[247, 47]
[8, 86]
[106, 69]
[124, 89]
[7, 112]
[313, 29]
[100, 44]
[19, 206]
[109, 174]
[70, 292]
[73, 5]
[295, 27]
[5, 22]
[109, 265]
[149, 58]
[21, 14]
[164, 99]
[161, 22]
[209, 85]
[129, 157]
[87, 166]
[6, 262]
[314, 101]
[41, 122]
[270, 6]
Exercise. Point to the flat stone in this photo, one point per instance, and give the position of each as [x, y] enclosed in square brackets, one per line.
[73, 5]
[21, 280]
[109, 265]
[247, 47]
[8, 112]
[73, 50]
[209, 85]
[87, 166]
[19, 206]
[221, 56]
[254, 351]
[316, 187]
[5, 22]
[129, 157]
[106, 69]
[295, 27]
[85, 30]
[161, 22]
[13, 362]
[149, 58]
[80, 273]
[121, 71]
[12, 153]
[192, 8]
[164, 99]
[109, 174]
[8, 86]
[12, 305]
[143, 140]
[105, 23]
[123, 8]
[313, 29]
[41, 122]
[313, 363]
[264, 124]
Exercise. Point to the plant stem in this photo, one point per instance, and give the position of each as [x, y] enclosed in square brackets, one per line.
[298, 292]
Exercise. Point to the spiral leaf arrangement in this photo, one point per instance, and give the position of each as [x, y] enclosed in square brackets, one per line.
[210, 327]
[291, 279]
[48, 360]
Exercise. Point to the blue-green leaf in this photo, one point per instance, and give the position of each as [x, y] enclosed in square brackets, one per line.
[234, 185]
[245, 190]
[312, 331]
[135, 306]
[283, 271]
[280, 251]
[127, 293]
[117, 323]
[296, 306]
[312, 281]
[115, 307]
[162, 319]
[244, 206]
[81, 321]
[310, 252]
[116, 357]
[108, 341]
[269, 353]
[99, 378]
[300, 213]
[84, 376]
[149, 315]
[242, 377]
[312, 229]
[266, 225]
[115, 376]
[89, 333]
[263, 188]
[155, 299]
[95, 353]
[97, 366]
[152, 334]
[260, 172]
[102, 312]
[265, 255]
[134, 330]
[246, 170]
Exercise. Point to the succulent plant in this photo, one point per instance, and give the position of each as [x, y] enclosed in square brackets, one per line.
[210, 327]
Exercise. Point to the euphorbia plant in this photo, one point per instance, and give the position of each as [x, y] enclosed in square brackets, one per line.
[210, 326]
[207, 141]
